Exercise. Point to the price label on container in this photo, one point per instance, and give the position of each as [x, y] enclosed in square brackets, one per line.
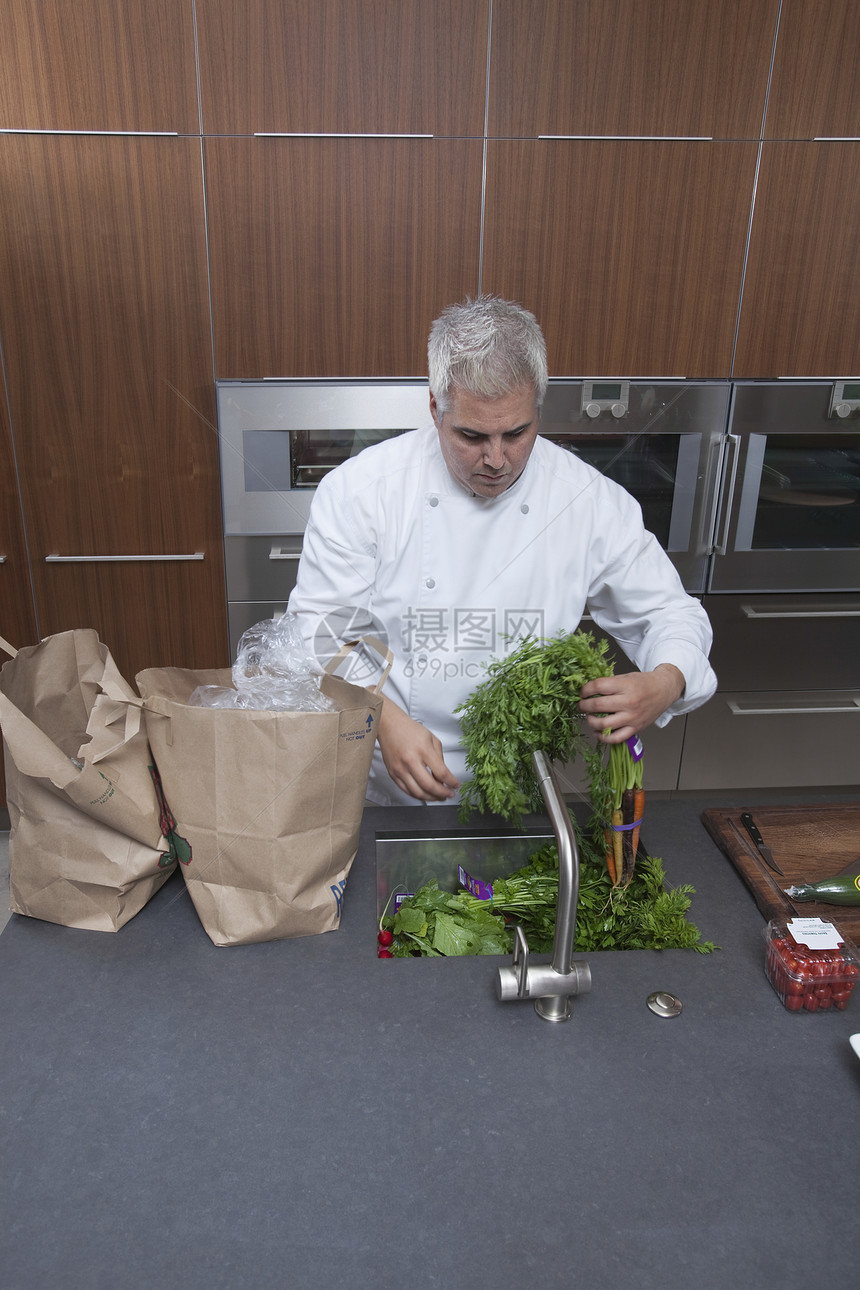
[814, 933]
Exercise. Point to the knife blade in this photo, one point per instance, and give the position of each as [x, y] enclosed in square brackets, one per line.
[765, 852]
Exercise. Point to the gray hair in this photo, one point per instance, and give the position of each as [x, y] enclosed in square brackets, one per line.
[488, 347]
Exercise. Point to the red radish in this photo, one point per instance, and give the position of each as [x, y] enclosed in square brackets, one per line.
[384, 954]
[385, 936]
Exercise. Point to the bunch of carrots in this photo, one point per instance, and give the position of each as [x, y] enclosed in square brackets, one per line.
[627, 805]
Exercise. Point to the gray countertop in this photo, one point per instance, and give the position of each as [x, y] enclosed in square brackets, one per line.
[302, 1113]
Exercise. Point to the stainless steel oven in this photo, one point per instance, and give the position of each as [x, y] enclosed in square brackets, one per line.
[278, 438]
[662, 441]
[789, 512]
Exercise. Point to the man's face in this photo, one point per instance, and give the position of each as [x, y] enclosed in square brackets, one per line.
[487, 442]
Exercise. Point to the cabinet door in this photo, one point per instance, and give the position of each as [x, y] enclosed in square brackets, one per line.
[331, 257]
[815, 89]
[800, 314]
[621, 67]
[355, 66]
[630, 253]
[96, 66]
[110, 386]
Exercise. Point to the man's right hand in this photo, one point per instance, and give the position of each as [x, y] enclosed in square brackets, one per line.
[413, 756]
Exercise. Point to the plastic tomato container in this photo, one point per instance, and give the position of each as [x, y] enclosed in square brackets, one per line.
[809, 979]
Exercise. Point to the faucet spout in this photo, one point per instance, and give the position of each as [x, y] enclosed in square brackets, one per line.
[552, 986]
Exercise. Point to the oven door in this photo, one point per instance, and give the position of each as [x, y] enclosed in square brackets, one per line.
[660, 441]
[789, 511]
[279, 438]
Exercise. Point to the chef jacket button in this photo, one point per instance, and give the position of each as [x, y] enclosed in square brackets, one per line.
[433, 499]
[525, 508]
[430, 582]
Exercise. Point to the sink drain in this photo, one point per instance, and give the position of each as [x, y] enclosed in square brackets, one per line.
[664, 1004]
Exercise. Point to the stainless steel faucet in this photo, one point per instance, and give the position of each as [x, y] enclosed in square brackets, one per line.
[551, 985]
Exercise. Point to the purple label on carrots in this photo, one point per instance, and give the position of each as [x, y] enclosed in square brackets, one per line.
[483, 890]
[637, 751]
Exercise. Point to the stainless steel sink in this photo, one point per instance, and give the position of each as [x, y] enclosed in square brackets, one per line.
[406, 861]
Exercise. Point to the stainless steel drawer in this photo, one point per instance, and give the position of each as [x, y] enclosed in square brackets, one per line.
[261, 568]
[768, 642]
[242, 614]
[777, 738]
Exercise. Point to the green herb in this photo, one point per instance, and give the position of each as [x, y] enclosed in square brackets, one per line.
[433, 923]
[529, 702]
[641, 916]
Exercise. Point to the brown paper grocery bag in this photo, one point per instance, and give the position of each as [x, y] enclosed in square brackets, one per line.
[270, 803]
[86, 847]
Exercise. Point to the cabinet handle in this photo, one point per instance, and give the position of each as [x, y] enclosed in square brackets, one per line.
[278, 553]
[739, 711]
[105, 559]
[749, 611]
[2, 559]
[722, 541]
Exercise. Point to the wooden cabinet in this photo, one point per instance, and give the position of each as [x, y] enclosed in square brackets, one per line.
[621, 68]
[815, 88]
[397, 66]
[17, 612]
[330, 257]
[110, 391]
[652, 289]
[97, 66]
[800, 314]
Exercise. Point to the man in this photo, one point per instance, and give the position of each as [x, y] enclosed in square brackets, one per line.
[466, 535]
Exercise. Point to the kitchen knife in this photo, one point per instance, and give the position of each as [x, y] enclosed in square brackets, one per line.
[765, 852]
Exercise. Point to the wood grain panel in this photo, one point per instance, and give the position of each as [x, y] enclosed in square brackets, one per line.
[815, 89]
[331, 257]
[630, 253]
[17, 614]
[407, 66]
[149, 615]
[621, 67]
[98, 65]
[105, 321]
[801, 301]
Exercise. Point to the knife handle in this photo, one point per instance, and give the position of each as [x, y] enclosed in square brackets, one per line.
[749, 824]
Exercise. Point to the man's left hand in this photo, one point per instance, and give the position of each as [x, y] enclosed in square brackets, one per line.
[624, 705]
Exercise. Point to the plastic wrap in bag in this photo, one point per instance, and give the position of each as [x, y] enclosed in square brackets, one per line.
[273, 671]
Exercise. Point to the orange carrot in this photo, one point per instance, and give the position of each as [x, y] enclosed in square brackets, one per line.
[638, 812]
[610, 857]
[618, 847]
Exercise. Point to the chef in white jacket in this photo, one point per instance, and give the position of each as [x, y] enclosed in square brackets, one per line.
[459, 539]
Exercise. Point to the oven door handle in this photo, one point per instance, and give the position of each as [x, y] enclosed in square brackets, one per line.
[278, 553]
[731, 469]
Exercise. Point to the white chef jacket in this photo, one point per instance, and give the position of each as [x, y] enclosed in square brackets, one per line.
[457, 579]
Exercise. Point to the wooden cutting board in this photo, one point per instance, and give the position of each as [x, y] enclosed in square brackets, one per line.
[808, 843]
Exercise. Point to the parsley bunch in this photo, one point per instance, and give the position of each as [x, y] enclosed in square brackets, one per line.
[528, 701]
